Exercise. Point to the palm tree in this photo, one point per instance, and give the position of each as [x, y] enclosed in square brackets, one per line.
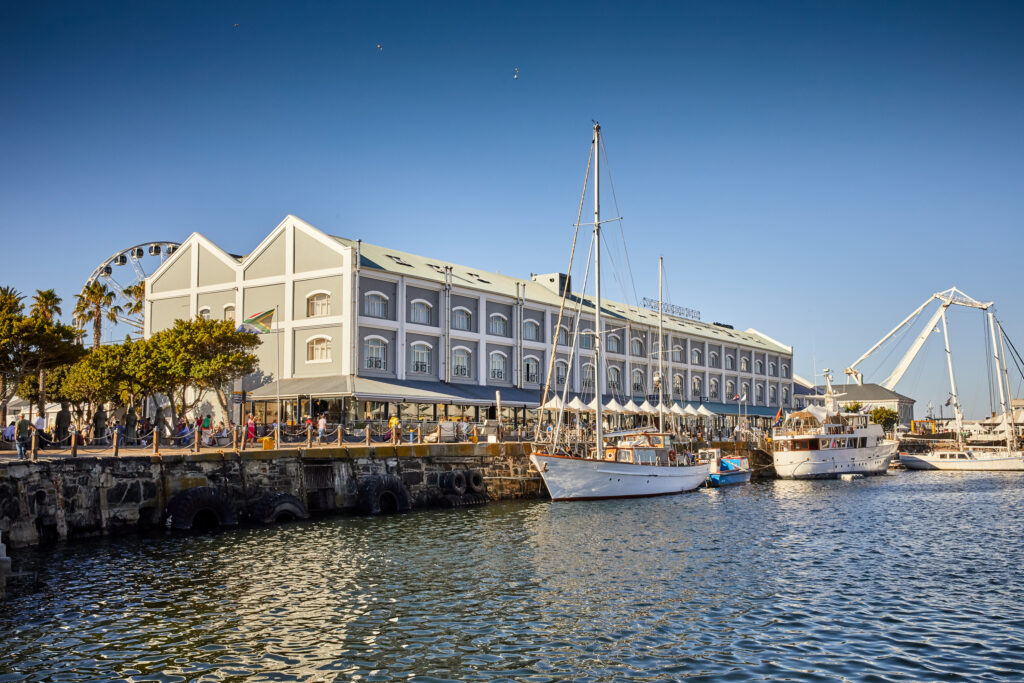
[95, 303]
[10, 300]
[46, 304]
[136, 295]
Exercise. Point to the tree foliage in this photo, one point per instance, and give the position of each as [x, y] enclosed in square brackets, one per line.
[95, 303]
[30, 345]
[887, 417]
[853, 407]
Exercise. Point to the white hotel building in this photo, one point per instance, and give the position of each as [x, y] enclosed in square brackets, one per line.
[363, 331]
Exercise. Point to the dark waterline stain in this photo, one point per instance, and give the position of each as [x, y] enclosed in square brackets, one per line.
[906, 577]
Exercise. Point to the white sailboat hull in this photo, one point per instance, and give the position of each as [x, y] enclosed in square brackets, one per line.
[965, 461]
[569, 478]
[833, 462]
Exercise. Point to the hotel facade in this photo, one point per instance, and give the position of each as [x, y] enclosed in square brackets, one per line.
[361, 332]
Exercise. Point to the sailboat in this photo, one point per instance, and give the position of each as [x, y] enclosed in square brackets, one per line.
[633, 464]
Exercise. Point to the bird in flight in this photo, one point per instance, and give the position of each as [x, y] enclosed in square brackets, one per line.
[380, 47]
[515, 76]
[236, 25]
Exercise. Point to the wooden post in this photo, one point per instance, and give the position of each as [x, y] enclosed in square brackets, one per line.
[74, 444]
[367, 435]
[234, 438]
[439, 432]
[156, 439]
[197, 439]
[116, 444]
[309, 436]
[277, 434]
[476, 434]
[339, 435]
[35, 444]
[419, 434]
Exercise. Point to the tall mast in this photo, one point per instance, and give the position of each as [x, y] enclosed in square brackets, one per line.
[1008, 421]
[661, 343]
[952, 382]
[999, 375]
[598, 370]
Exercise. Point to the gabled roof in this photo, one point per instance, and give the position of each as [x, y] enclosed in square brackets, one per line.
[865, 393]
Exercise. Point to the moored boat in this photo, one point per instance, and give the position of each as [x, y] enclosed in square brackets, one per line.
[970, 459]
[725, 470]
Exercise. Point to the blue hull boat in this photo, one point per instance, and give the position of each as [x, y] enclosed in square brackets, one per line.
[726, 471]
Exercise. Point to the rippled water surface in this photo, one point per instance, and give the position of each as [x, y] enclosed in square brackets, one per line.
[910, 576]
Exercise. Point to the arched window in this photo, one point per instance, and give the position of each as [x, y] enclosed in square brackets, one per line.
[759, 367]
[420, 312]
[636, 346]
[639, 385]
[696, 386]
[730, 390]
[229, 312]
[772, 369]
[563, 336]
[677, 386]
[785, 370]
[677, 354]
[531, 369]
[614, 343]
[204, 312]
[744, 365]
[497, 324]
[319, 303]
[759, 394]
[318, 349]
[531, 330]
[730, 362]
[655, 350]
[713, 389]
[772, 396]
[785, 395]
[421, 357]
[696, 358]
[375, 353]
[713, 359]
[561, 372]
[498, 365]
[462, 318]
[587, 339]
[588, 376]
[614, 378]
[745, 394]
[460, 361]
[376, 305]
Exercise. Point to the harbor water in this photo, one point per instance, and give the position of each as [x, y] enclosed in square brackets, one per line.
[912, 576]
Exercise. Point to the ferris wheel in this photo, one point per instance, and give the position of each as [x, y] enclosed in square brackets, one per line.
[144, 259]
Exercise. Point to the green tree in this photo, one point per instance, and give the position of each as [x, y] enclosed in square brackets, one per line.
[89, 381]
[29, 344]
[853, 407]
[887, 417]
[10, 300]
[136, 305]
[196, 356]
[45, 305]
[95, 303]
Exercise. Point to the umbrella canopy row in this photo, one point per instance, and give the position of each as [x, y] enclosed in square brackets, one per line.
[630, 408]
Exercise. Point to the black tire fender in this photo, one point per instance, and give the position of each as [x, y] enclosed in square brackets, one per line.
[383, 494]
[277, 507]
[454, 482]
[206, 502]
[475, 481]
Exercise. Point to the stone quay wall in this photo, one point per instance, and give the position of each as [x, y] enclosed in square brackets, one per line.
[55, 499]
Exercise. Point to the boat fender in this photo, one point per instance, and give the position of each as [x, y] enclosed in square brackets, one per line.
[454, 482]
[474, 481]
[277, 507]
[187, 505]
[383, 494]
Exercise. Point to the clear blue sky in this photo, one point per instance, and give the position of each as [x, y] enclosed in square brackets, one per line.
[814, 170]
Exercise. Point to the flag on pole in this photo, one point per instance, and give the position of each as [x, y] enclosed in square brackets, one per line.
[258, 324]
[736, 397]
[778, 417]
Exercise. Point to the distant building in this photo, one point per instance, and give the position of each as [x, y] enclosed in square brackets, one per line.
[870, 396]
[363, 331]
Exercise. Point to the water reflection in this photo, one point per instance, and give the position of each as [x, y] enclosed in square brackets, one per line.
[906, 577]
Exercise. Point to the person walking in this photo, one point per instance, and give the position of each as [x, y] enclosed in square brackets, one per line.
[394, 426]
[40, 426]
[23, 434]
[250, 429]
[321, 429]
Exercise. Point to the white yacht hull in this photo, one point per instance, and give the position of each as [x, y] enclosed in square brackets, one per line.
[972, 461]
[569, 478]
[833, 462]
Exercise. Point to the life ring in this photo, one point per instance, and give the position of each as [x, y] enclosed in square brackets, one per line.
[671, 456]
[203, 507]
[475, 481]
[277, 507]
[454, 482]
[383, 494]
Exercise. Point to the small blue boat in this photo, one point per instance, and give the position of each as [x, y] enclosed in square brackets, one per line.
[728, 470]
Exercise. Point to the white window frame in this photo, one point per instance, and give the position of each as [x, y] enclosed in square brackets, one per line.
[678, 354]
[635, 343]
[696, 357]
[714, 359]
[730, 389]
[420, 346]
[469, 362]
[773, 369]
[533, 324]
[677, 385]
[637, 372]
[310, 348]
[713, 386]
[758, 367]
[559, 365]
[367, 357]
[759, 393]
[618, 344]
[204, 313]
[587, 339]
[614, 384]
[310, 303]
[558, 337]
[429, 308]
[589, 373]
[526, 373]
[744, 364]
[696, 386]
[225, 312]
[773, 396]
[785, 370]
[469, 319]
[386, 302]
[504, 323]
[730, 362]
[504, 365]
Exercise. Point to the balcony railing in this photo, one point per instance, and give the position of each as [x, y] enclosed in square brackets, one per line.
[460, 371]
[497, 374]
[420, 366]
[376, 364]
[531, 377]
